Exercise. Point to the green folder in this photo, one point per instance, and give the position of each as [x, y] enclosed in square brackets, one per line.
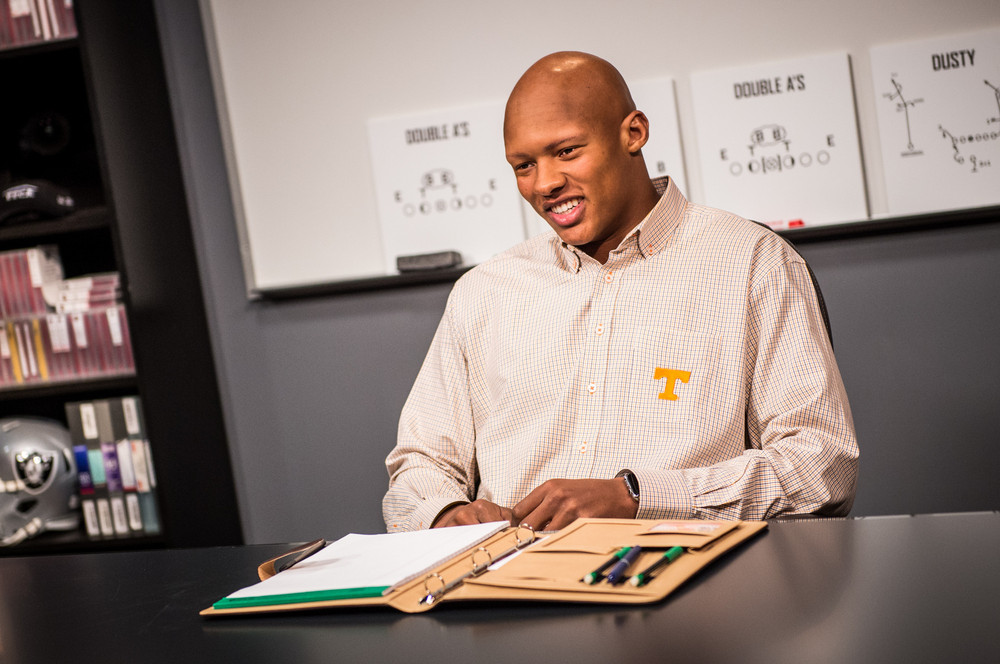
[299, 598]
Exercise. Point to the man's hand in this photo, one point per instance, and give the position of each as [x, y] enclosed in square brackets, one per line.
[478, 511]
[557, 503]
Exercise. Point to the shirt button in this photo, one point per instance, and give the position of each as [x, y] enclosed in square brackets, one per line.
[609, 277]
[599, 329]
[592, 388]
[583, 448]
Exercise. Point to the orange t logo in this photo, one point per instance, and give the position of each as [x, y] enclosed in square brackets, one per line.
[672, 376]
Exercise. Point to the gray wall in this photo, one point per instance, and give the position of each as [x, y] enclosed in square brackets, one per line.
[312, 388]
[915, 328]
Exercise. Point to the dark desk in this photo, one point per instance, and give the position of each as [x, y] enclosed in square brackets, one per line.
[895, 589]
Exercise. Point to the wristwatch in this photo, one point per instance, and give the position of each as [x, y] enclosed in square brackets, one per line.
[631, 483]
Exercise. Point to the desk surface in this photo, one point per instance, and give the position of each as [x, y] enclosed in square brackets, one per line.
[913, 589]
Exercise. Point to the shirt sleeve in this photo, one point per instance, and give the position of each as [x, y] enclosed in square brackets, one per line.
[433, 464]
[801, 452]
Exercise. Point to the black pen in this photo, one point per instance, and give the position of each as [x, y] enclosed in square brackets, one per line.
[643, 577]
[596, 575]
[617, 573]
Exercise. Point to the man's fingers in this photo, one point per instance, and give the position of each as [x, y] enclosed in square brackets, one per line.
[529, 504]
[552, 505]
[535, 510]
[560, 521]
[557, 503]
[479, 511]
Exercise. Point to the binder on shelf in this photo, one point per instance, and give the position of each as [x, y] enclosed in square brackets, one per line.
[511, 564]
[24, 22]
[25, 276]
[116, 340]
[84, 432]
[117, 483]
[15, 342]
[112, 469]
[146, 484]
[86, 360]
[58, 347]
[28, 361]
[6, 36]
[135, 458]
[58, 329]
[87, 293]
[86, 491]
[6, 358]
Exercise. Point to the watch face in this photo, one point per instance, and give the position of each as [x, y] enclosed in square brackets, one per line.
[631, 483]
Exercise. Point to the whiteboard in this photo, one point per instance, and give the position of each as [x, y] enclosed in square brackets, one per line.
[297, 81]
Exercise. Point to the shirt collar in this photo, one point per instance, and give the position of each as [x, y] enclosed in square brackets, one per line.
[655, 230]
[650, 235]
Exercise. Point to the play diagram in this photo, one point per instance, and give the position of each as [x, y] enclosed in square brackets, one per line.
[442, 184]
[770, 150]
[939, 122]
[778, 142]
[439, 192]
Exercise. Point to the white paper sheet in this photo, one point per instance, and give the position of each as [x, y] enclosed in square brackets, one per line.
[367, 561]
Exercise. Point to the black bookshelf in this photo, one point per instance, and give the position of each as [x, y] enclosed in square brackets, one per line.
[124, 172]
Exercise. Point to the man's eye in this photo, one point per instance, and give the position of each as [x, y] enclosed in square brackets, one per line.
[565, 152]
[522, 166]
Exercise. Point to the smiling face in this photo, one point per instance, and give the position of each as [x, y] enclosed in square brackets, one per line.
[573, 137]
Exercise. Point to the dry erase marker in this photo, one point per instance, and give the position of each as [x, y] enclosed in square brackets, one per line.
[644, 577]
[617, 572]
[596, 575]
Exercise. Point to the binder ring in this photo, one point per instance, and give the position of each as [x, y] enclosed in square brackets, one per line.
[433, 594]
[527, 540]
[479, 568]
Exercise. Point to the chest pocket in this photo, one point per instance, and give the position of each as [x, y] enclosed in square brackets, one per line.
[671, 379]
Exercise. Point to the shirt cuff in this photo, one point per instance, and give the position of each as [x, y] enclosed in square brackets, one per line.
[663, 494]
[426, 511]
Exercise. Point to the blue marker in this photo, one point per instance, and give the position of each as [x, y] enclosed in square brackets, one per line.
[617, 573]
[598, 573]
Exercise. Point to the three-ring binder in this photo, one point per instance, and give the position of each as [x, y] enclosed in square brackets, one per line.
[551, 569]
[477, 568]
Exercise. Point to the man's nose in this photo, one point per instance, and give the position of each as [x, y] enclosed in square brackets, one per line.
[549, 178]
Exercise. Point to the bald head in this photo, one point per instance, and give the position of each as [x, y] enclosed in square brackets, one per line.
[574, 138]
[573, 83]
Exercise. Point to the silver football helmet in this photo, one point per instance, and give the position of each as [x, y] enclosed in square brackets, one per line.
[38, 482]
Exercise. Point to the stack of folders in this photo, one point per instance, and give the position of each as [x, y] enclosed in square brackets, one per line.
[24, 22]
[415, 571]
[115, 467]
[57, 329]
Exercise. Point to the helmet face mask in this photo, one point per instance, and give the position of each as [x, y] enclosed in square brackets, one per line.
[38, 481]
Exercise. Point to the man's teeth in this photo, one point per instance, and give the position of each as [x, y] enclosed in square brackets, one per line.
[563, 208]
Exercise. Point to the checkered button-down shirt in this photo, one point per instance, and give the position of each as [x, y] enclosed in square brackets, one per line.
[696, 356]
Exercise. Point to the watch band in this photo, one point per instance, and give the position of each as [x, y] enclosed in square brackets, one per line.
[631, 483]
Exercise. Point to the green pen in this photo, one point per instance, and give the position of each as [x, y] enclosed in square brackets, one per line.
[644, 577]
[596, 575]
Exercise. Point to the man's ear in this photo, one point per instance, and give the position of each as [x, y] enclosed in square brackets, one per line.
[635, 131]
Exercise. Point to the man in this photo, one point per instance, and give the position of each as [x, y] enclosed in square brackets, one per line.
[651, 359]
